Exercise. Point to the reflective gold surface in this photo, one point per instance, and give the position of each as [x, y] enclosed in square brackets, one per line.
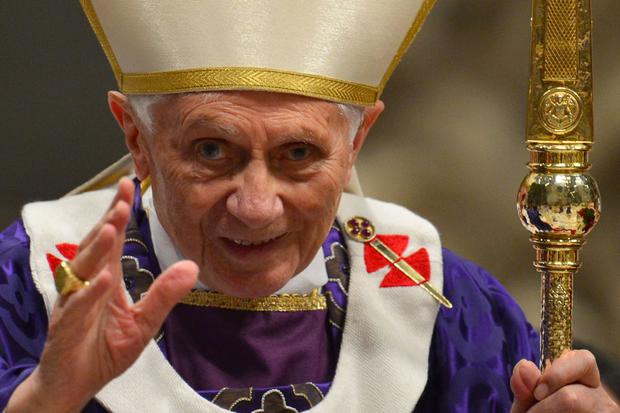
[410, 272]
[561, 58]
[360, 229]
[559, 202]
[560, 40]
[560, 110]
[66, 281]
[556, 331]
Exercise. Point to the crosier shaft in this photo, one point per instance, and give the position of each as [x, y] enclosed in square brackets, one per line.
[558, 201]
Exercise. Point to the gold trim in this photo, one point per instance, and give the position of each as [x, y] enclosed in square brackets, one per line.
[145, 184]
[91, 15]
[243, 78]
[420, 18]
[283, 303]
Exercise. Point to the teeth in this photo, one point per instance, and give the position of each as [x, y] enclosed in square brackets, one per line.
[249, 243]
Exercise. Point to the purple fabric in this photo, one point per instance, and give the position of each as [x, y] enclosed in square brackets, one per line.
[23, 320]
[476, 344]
[337, 287]
[212, 348]
[241, 349]
[262, 350]
[474, 347]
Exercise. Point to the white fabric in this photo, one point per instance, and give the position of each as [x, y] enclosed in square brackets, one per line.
[66, 220]
[383, 362]
[310, 278]
[351, 40]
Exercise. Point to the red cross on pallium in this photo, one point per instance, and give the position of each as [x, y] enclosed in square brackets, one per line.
[395, 278]
[67, 250]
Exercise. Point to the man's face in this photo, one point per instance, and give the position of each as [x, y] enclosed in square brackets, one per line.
[247, 184]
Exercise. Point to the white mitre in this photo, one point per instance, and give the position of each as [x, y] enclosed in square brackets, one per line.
[342, 51]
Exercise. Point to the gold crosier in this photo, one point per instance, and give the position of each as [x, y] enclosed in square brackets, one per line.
[558, 201]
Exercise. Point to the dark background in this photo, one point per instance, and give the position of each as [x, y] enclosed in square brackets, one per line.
[450, 145]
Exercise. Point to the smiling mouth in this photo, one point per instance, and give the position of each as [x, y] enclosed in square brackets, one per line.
[248, 243]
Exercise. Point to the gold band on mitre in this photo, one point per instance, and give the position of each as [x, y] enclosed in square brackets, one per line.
[344, 54]
[66, 280]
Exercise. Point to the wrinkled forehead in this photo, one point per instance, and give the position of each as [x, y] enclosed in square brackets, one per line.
[174, 109]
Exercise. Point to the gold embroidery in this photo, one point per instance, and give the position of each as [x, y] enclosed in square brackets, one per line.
[301, 390]
[282, 303]
[228, 398]
[241, 78]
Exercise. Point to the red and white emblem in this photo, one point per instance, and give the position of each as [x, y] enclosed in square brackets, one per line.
[419, 260]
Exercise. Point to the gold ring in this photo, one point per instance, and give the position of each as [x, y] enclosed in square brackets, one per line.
[66, 281]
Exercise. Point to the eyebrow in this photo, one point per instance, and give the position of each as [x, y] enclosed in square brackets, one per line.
[304, 135]
[224, 128]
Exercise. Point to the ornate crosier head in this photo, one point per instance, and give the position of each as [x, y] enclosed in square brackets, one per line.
[559, 202]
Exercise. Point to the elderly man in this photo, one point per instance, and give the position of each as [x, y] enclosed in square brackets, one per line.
[266, 288]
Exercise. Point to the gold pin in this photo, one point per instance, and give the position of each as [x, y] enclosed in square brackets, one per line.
[362, 230]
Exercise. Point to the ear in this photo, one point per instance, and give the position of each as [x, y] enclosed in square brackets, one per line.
[369, 117]
[134, 138]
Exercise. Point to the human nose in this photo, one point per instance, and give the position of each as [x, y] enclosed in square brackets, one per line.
[255, 201]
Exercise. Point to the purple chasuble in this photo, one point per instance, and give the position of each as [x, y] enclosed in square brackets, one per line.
[474, 346]
[213, 348]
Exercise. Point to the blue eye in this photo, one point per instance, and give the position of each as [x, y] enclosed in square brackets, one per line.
[298, 153]
[211, 150]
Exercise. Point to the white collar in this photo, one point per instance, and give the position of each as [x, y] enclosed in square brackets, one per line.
[310, 278]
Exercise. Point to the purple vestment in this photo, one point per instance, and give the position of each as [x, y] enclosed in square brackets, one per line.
[266, 359]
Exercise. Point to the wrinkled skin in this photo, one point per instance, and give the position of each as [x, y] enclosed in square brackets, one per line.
[246, 167]
[250, 167]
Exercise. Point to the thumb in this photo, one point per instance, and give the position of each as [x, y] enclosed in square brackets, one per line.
[525, 376]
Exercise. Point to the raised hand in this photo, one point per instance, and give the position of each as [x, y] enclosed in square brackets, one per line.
[95, 334]
[570, 384]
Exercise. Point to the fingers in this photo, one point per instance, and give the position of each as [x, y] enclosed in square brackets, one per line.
[106, 239]
[73, 311]
[165, 293]
[105, 247]
[124, 193]
[576, 366]
[87, 298]
[576, 398]
[525, 376]
[90, 260]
